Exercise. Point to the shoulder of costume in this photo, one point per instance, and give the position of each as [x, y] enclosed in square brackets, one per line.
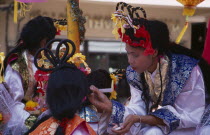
[133, 78]
[14, 57]
[180, 61]
[180, 69]
[16, 61]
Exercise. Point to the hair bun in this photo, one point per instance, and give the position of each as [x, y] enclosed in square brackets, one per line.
[55, 60]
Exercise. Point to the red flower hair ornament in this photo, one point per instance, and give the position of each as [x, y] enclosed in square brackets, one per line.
[145, 41]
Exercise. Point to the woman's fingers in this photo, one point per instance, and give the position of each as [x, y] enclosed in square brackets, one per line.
[93, 88]
[125, 127]
[101, 102]
[125, 124]
[121, 130]
[98, 94]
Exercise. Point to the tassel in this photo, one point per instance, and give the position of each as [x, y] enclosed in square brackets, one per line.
[181, 34]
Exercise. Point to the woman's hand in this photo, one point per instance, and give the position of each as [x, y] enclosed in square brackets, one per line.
[99, 100]
[125, 127]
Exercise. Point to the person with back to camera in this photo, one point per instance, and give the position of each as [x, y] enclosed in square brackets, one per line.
[66, 91]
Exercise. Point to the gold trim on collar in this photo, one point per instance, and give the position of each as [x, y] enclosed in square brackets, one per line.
[155, 87]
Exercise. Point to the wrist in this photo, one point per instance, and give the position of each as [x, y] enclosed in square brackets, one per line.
[137, 119]
[109, 107]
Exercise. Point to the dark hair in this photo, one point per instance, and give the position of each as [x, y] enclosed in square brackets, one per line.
[67, 87]
[123, 88]
[101, 79]
[32, 33]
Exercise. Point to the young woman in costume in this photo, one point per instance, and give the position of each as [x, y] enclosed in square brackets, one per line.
[20, 69]
[166, 80]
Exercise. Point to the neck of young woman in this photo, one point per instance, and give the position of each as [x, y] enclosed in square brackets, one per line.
[153, 67]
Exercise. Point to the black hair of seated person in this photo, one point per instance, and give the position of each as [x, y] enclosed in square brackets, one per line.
[123, 88]
[33, 32]
[160, 39]
[101, 79]
[67, 87]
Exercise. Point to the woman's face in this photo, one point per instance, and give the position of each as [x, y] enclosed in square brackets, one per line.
[138, 61]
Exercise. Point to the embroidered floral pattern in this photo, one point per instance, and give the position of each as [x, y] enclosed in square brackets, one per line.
[89, 114]
[168, 117]
[133, 78]
[21, 67]
[49, 126]
[180, 69]
[118, 111]
[206, 117]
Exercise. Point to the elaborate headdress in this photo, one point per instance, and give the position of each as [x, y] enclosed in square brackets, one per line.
[138, 35]
[60, 24]
[69, 94]
[50, 61]
[63, 54]
[60, 57]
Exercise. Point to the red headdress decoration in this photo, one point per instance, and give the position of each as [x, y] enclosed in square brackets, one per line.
[125, 21]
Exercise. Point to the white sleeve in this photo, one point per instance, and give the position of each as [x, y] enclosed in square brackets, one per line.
[120, 112]
[190, 103]
[14, 81]
[136, 104]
